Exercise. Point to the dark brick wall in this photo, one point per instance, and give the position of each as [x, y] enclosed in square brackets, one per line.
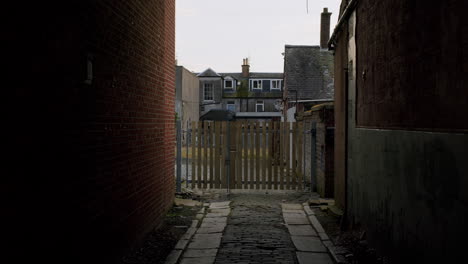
[415, 59]
[98, 157]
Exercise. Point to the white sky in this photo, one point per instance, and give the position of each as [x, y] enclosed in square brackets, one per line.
[220, 33]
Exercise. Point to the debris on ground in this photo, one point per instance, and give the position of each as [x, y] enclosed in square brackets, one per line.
[159, 243]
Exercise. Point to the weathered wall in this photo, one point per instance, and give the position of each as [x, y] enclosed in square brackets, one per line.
[419, 66]
[190, 89]
[97, 149]
[341, 66]
[407, 188]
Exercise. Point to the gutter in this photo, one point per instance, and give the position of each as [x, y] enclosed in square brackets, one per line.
[346, 13]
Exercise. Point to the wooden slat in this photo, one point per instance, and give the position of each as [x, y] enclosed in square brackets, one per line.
[211, 136]
[239, 156]
[194, 148]
[294, 157]
[232, 155]
[281, 166]
[205, 154]
[257, 155]
[224, 151]
[287, 143]
[300, 136]
[246, 153]
[275, 155]
[252, 156]
[217, 143]
[270, 167]
[264, 158]
[199, 159]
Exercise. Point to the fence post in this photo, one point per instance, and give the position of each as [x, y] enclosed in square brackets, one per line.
[179, 157]
[187, 139]
[313, 159]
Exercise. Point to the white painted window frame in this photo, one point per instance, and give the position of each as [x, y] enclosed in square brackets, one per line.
[232, 82]
[257, 104]
[234, 104]
[252, 84]
[204, 92]
[280, 82]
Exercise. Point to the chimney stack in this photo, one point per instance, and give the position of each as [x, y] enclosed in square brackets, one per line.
[245, 68]
[325, 29]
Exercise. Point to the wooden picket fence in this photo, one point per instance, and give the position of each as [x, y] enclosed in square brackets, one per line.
[246, 155]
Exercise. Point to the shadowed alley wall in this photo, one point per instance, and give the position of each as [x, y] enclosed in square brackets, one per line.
[95, 125]
[407, 141]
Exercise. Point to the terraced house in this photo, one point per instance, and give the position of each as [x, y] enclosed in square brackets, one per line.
[251, 95]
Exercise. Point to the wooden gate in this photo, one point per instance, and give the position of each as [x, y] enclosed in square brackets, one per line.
[246, 155]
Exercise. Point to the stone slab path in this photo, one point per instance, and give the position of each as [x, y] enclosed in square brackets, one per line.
[255, 230]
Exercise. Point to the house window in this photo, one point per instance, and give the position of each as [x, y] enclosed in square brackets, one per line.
[276, 84]
[256, 84]
[228, 84]
[208, 92]
[231, 105]
[259, 106]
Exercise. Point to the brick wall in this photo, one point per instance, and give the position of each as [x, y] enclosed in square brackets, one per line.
[100, 154]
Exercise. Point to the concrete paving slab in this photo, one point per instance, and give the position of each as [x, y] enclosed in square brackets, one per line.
[202, 260]
[210, 215]
[296, 220]
[285, 206]
[226, 211]
[215, 220]
[197, 253]
[308, 243]
[316, 224]
[173, 257]
[301, 230]
[294, 214]
[206, 204]
[213, 225]
[308, 211]
[190, 232]
[313, 258]
[293, 211]
[181, 244]
[220, 204]
[323, 236]
[199, 216]
[210, 230]
[194, 223]
[205, 241]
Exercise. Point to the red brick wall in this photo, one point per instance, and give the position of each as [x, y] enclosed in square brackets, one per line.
[100, 155]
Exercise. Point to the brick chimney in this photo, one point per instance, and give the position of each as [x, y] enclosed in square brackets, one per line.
[245, 68]
[325, 29]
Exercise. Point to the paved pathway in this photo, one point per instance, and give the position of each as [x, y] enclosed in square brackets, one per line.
[254, 229]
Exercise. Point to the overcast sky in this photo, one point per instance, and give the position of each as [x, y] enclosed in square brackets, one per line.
[220, 33]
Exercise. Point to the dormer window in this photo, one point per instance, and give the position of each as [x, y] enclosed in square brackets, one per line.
[256, 84]
[228, 84]
[275, 84]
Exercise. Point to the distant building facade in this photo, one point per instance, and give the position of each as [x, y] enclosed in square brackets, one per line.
[250, 95]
